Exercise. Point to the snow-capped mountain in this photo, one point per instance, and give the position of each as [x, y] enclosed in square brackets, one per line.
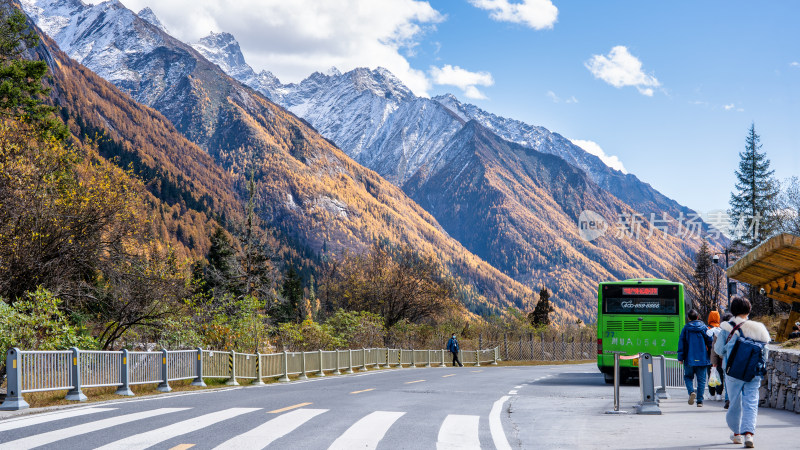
[223, 50]
[148, 15]
[373, 117]
[513, 205]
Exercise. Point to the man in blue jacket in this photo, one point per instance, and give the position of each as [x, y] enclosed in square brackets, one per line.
[693, 353]
[452, 347]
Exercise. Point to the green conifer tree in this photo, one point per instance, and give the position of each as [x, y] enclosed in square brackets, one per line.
[21, 88]
[541, 314]
[754, 203]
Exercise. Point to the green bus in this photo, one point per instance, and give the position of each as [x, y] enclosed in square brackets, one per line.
[634, 316]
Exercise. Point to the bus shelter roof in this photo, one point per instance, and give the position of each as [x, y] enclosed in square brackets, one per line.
[774, 266]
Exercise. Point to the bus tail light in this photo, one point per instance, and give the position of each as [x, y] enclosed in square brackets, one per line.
[599, 346]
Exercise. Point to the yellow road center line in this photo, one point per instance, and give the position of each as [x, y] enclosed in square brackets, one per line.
[451, 375]
[365, 390]
[476, 371]
[411, 382]
[299, 405]
[182, 446]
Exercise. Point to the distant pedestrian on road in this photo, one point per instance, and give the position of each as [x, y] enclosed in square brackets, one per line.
[452, 347]
[743, 395]
[715, 392]
[693, 349]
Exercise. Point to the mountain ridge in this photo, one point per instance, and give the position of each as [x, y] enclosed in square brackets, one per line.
[308, 188]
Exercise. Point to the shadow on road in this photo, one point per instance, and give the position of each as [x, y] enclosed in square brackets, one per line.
[573, 379]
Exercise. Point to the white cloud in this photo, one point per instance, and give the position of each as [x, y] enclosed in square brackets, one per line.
[595, 149]
[794, 64]
[556, 99]
[729, 107]
[464, 79]
[537, 14]
[294, 38]
[619, 68]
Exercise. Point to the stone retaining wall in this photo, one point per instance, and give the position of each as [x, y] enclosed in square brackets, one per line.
[779, 386]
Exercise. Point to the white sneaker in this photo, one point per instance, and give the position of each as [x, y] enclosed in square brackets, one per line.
[748, 441]
[692, 396]
[718, 398]
[737, 438]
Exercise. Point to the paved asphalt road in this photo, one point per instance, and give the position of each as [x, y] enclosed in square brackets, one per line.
[444, 408]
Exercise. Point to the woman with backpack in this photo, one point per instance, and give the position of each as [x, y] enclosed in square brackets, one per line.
[742, 344]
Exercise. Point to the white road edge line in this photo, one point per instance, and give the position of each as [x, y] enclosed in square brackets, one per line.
[496, 426]
[512, 392]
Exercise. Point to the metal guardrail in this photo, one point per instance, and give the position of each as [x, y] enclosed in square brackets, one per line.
[74, 369]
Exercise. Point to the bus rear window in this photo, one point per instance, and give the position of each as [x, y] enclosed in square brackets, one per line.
[642, 300]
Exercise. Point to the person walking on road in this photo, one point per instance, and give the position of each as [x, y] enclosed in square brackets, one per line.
[743, 395]
[725, 318]
[693, 349]
[715, 392]
[452, 347]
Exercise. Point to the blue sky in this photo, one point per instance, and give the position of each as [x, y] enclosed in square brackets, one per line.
[721, 66]
[670, 88]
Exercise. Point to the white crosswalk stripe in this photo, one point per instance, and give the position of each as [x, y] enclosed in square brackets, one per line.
[263, 435]
[64, 433]
[153, 437]
[367, 432]
[13, 424]
[459, 432]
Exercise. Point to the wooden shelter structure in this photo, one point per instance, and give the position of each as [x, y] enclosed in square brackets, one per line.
[775, 267]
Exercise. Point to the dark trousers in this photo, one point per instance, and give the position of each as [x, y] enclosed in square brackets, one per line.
[717, 389]
[455, 359]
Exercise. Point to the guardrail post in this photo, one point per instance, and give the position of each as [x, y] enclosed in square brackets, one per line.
[428, 363]
[285, 377]
[258, 381]
[14, 400]
[477, 358]
[388, 362]
[199, 380]
[400, 357]
[349, 361]
[338, 364]
[321, 372]
[661, 392]
[164, 385]
[413, 358]
[302, 375]
[648, 405]
[125, 389]
[496, 351]
[364, 360]
[232, 369]
[75, 394]
[616, 384]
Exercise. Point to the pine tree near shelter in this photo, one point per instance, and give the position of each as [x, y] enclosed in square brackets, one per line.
[754, 201]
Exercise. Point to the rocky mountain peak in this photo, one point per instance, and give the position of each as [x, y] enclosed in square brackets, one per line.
[223, 50]
[148, 15]
[380, 82]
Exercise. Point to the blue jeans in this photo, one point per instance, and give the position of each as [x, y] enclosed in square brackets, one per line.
[742, 413]
[689, 372]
